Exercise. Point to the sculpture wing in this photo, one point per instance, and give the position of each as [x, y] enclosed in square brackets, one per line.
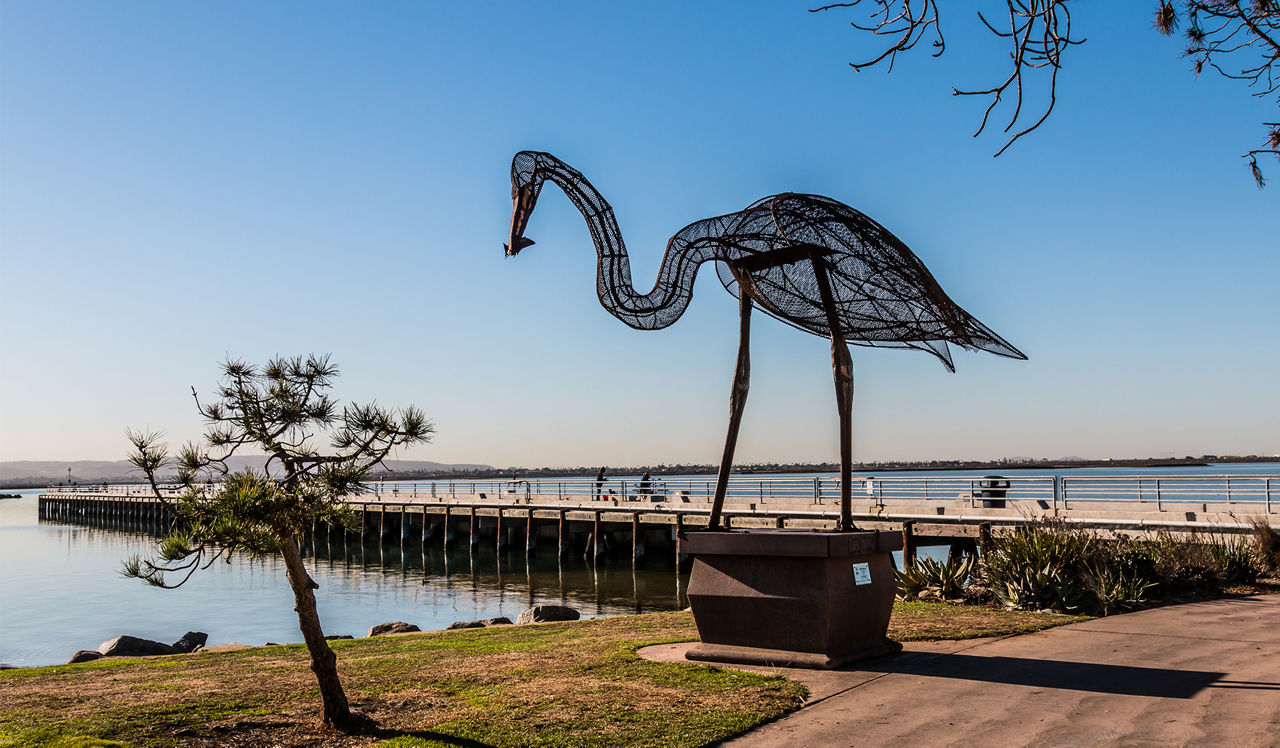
[884, 294]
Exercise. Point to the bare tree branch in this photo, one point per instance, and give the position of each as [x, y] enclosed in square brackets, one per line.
[1037, 31]
[1239, 39]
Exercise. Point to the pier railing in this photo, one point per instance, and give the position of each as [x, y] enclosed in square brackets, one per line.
[1215, 493]
[1222, 491]
[1047, 491]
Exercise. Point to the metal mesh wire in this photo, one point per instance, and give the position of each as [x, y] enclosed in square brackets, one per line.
[884, 295]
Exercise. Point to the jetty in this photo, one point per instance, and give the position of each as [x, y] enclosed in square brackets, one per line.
[591, 518]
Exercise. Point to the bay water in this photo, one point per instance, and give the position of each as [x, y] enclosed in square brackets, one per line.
[61, 589]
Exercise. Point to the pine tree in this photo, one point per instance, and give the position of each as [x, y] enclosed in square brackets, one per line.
[283, 409]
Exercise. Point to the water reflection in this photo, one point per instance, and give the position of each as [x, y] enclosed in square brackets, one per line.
[609, 587]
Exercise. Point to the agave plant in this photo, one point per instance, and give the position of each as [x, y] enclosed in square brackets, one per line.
[910, 582]
[933, 578]
[1047, 587]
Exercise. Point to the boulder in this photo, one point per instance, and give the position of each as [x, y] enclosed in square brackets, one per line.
[84, 655]
[336, 637]
[482, 623]
[543, 613]
[132, 646]
[190, 641]
[395, 627]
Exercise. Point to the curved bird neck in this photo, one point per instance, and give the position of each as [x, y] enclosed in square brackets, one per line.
[672, 291]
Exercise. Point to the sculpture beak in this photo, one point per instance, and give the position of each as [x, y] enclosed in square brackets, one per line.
[524, 200]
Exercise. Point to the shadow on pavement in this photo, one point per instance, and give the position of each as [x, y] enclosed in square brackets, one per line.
[1249, 685]
[1077, 676]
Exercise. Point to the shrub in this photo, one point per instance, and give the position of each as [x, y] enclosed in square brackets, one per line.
[1047, 541]
[1235, 561]
[1266, 541]
[1049, 564]
[1042, 565]
[1117, 589]
[1202, 565]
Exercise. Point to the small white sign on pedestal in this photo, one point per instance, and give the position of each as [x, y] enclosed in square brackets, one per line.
[861, 574]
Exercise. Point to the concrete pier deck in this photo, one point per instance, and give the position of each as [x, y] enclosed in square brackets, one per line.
[937, 505]
[1204, 673]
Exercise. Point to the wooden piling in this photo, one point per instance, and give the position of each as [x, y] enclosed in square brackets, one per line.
[562, 541]
[908, 545]
[679, 529]
[597, 542]
[530, 537]
[474, 539]
[637, 548]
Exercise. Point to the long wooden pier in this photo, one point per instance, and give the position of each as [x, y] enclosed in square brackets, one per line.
[590, 531]
[643, 518]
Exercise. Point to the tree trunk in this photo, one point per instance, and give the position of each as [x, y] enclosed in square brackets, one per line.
[323, 661]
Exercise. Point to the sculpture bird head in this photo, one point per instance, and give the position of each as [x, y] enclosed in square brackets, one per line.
[526, 183]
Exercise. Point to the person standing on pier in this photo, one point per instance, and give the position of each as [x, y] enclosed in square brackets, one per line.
[644, 489]
[599, 484]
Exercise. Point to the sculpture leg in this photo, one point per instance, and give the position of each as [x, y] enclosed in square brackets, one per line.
[737, 401]
[842, 367]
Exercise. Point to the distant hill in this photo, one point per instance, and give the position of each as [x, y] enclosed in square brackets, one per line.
[43, 472]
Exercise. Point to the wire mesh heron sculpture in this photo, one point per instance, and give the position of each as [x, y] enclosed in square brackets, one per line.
[810, 261]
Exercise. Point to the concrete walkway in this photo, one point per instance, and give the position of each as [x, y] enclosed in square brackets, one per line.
[1197, 674]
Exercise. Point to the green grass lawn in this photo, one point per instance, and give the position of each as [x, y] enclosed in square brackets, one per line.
[578, 684]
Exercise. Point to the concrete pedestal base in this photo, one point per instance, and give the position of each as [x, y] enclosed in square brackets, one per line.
[791, 598]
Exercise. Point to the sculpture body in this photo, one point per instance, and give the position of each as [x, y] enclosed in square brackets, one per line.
[807, 260]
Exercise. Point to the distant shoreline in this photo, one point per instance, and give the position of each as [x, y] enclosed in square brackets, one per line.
[758, 469]
[870, 467]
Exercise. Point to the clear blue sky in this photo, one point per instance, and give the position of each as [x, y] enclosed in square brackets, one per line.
[180, 182]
